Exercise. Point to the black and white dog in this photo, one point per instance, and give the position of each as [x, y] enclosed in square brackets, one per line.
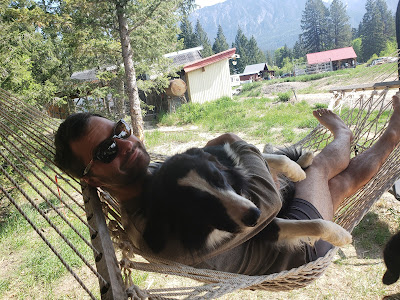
[391, 256]
[200, 198]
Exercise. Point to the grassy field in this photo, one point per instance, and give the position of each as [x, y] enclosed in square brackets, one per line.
[30, 271]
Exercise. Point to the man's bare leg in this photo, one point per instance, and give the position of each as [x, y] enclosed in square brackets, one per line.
[332, 160]
[364, 166]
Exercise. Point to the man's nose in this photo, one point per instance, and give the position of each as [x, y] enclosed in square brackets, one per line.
[124, 145]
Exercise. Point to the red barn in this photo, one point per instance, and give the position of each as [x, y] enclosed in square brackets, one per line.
[336, 58]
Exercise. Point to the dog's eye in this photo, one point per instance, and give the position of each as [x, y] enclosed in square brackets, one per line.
[217, 178]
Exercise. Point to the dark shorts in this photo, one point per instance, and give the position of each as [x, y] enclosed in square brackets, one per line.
[300, 209]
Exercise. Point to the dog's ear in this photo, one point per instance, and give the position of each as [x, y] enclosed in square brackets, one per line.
[392, 260]
[155, 235]
[195, 152]
[389, 277]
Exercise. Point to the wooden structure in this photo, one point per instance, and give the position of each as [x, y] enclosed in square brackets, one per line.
[209, 78]
[256, 72]
[336, 58]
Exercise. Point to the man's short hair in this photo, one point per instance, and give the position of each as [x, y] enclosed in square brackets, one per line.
[73, 128]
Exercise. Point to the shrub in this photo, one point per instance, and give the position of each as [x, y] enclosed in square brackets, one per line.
[284, 97]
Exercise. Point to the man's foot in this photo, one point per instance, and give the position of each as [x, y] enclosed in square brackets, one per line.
[393, 128]
[333, 122]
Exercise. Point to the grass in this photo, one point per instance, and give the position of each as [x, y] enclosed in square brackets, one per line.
[258, 118]
[29, 268]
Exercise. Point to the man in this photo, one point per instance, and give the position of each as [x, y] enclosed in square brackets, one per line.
[105, 155]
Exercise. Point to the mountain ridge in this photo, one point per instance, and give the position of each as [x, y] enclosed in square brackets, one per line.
[273, 23]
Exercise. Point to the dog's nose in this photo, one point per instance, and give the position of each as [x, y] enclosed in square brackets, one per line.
[251, 217]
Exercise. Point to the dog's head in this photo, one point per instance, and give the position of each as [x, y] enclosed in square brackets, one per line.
[192, 196]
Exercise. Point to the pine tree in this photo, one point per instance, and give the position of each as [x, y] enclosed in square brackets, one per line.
[314, 26]
[186, 34]
[339, 25]
[241, 45]
[255, 55]
[299, 50]
[388, 19]
[372, 31]
[202, 40]
[220, 43]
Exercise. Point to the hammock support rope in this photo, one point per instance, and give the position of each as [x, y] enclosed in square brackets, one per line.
[29, 181]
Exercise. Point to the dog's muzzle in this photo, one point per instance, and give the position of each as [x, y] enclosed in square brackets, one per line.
[251, 217]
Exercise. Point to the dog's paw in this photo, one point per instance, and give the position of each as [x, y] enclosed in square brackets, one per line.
[293, 171]
[337, 235]
[305, 160]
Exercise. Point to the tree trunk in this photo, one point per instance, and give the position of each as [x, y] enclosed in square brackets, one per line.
[71, 106]
[119, 101]
[130, 74]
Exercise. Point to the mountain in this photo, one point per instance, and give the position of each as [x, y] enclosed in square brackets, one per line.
[273, 23]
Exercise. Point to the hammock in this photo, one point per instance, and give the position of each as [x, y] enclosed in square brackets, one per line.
[28, 176]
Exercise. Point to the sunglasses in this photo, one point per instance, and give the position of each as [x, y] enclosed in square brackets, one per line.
[107, 150]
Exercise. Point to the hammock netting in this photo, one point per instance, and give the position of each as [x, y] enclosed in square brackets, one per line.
[88, 222]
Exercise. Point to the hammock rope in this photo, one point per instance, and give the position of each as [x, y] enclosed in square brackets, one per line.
[29, 177]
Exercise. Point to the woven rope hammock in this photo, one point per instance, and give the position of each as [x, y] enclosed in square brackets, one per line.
[30, 181]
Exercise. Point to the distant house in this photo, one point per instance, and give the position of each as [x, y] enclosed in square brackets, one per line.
[208, 79]
[334, 59]
[256, 71]
[235, 80]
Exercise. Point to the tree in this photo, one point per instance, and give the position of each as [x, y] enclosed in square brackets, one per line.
[299, 50]
[241, 44]
[186, 34]
[255, 55]
[339, 25]
[202, 40]
[387, 18]
[357, 46]
[314, 26]
[282, 53]
[220, 43]
[144, 31]
[29, 66]
[371, 30]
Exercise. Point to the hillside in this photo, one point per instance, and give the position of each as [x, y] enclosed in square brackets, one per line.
[273, 23]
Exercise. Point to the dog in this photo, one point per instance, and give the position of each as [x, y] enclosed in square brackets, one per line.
[391, 257]
[200, 198]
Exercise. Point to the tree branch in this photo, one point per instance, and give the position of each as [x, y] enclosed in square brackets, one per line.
[147, 16]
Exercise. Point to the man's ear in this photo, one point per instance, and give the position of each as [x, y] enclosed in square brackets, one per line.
[92, 181]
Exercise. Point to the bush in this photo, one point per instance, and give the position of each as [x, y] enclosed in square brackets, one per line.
[284, 97]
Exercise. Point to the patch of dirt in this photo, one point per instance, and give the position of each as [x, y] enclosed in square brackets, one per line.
[282, 87]
[272, 90]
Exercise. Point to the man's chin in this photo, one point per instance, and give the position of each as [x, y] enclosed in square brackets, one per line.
[139, 171]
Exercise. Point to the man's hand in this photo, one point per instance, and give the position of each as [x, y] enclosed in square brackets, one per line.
[223, 139]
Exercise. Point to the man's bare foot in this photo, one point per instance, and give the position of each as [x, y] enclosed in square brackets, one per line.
[393, 128]
[333, 122]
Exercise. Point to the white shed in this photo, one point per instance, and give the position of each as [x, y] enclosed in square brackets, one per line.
[209, 78]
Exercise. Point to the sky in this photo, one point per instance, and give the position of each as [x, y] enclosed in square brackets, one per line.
[203, 3]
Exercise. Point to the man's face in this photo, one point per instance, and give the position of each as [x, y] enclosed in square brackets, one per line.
[126, 168]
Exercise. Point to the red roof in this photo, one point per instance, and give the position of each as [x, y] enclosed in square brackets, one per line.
[331, 55]
[209, 60]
